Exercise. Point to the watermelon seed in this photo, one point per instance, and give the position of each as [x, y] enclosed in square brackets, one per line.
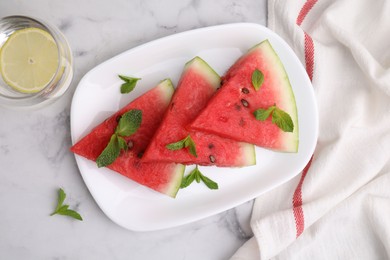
[212, 159]
[211, 146]
[140, 154]
[130, 144]
[237, 107]
[245, 90]
[244, 103]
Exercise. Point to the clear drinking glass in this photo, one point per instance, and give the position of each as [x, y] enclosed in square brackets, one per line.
[61, 79]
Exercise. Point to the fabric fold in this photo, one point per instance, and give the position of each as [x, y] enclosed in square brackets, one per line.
[337, 208]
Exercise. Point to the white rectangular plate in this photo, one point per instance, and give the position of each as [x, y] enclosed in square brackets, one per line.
[138, 208]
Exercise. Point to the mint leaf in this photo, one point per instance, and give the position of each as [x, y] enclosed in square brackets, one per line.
[187, 180]
[70, 213]
[209, 183]
[191, 145]
[279, 117]
[176, 146]
[184, 143]
[64, 209]
[129, 84]
[122, 143]
[282, 120]
[257, 79]
[196, 175]
[110, 153]
[61, 198]
[263, 114]
[129, 122]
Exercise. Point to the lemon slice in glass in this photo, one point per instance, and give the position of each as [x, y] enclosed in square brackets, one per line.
[29, 60]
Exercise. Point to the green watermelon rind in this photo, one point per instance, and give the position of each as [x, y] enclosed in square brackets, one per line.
[280, 88]
[166, 88]
[173, 188]
[287, 90]
[205, 69]
[249, 153]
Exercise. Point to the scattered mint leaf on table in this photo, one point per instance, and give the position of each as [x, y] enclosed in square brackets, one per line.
[279, 117]
[129, 84]
[184, 143]
[196, 175]
[64, 210]
[128, 124]
[257, 79]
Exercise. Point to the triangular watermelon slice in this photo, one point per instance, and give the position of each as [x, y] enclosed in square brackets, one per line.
[230, 112]
[197, 84]
[162, 177]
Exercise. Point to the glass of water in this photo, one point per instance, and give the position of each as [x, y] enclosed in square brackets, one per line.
[36, 64]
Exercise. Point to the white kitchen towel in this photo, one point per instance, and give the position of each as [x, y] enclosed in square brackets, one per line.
[339, 206]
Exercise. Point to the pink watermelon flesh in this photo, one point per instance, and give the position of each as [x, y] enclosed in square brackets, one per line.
[196, 86]
[230, 112]
[162, 177]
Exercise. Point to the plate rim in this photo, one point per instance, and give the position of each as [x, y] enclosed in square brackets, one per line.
[150, 43]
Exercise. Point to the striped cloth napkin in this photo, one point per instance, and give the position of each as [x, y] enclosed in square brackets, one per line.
[339, 206]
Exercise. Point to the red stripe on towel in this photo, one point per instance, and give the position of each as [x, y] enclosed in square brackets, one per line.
[309, 55]
[299, 216]
[305, 10]
[297, 202]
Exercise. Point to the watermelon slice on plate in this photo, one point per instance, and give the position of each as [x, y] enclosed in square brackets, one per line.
[137, 207]
[162, 177]
[197, 84]
[231, 111]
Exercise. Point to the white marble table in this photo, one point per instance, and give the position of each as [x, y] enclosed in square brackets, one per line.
[34, 145]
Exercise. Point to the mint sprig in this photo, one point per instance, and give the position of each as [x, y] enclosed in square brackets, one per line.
[110, 153]
[184, 143]
[128, 124]
[129, 84]
[279, 117]
[62, 209]
[196, 175]
[257, 79]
